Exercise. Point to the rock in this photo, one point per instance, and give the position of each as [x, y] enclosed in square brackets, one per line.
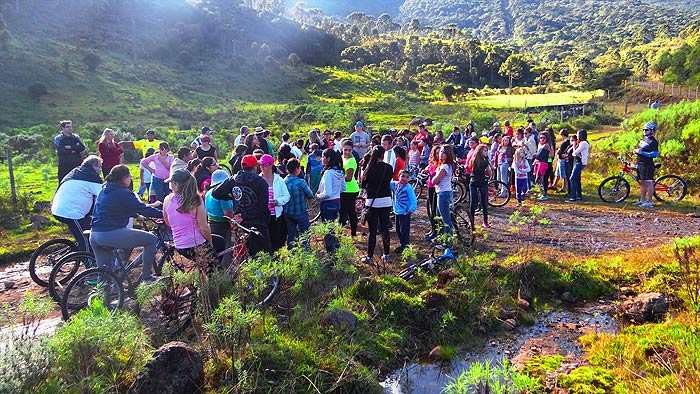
[568, 297]
[695, 215]
[446, 276]
[9, 284]
[434, 298]
[510, 324]
[38, 221]
[339, 319]
[440, 353]
[645, 307]
[175, 368]
[626, 290]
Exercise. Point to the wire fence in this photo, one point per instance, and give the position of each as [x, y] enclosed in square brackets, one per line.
[674, 90]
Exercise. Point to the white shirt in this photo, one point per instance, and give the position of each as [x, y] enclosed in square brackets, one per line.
[281, 194]
[74, 198]
[238, 140]
[390, 158]
[297, 152]
[582, 151]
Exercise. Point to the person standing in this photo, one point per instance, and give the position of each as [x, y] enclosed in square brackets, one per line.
[521, 170]
[505, 162]
[405, 204]
[184, 155]
[389, 154]
[647, 151]
[278, 196]
[110, 151]
[219, 214]
[240, 139]
[296, 212]
[69, 149]
[159, 165]
[443, 186]
[581, 152]
[143, 145]
[348, 212]
[205, 132]
[206, 149]
[478, 184]
[541, 163]
[253, 205]
[562, 168]
[376, 180]
[329, 190]
[360, 139]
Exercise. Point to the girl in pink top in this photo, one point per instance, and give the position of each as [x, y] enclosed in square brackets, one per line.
[159, 165]
[184, 212]
[431, 201]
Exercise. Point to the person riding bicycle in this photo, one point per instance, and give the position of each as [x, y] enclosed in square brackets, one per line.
[252, 205]
[75, 197]
[646, 153]
[115, 205]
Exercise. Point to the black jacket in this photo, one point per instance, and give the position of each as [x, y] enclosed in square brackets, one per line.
[378, 180]
[253, 203]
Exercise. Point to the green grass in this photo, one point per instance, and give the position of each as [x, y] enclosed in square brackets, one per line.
[502, 101]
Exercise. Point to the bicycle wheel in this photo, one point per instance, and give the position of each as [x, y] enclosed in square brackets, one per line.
[164, 256]
[463, 226]
[670, 188]
[66, 269]
[499, 193]
[46, 256]
[273, 285]
[314, 210]
[460, 190]
[614, 189]
[89, 285]
[408, 273]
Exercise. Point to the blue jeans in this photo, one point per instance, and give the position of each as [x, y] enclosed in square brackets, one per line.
[329, 213]
[403, 228]
[159, 189]
[444, 201]
[575, 181]
[504, 176]
[296, 224]
[520, 188]
[144, 187]
[76, 227]
[104, 243]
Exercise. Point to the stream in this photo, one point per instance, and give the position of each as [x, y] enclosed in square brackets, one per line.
[555, 332]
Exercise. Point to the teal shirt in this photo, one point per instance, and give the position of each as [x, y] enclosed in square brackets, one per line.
[216, 208]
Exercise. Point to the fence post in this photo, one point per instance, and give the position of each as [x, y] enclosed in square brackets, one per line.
[11, 173]
[625, 107]
[673, 85]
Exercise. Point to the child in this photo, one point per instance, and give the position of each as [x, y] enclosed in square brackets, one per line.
[425, 154]
[145, 177]
[296, 213]
[338, 141]
[521, 168]
[314, 166]
[405, 203]
[414, 157]
[544, 152]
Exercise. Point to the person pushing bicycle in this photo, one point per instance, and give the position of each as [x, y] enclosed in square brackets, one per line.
[646, 153]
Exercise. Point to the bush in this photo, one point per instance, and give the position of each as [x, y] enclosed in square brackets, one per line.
[98, 351]
[92, 61]
[37, 90]
[12, 215]
[486, 378]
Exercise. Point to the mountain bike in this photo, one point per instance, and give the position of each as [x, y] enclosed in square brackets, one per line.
[434, 264]
[499, 193]
[69, 265]
[46, 256]
[616, 189]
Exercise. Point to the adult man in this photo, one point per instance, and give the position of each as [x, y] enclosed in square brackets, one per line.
[646, 153]
[389, 154]
[495, 129]
[75, 196]
[206, 131]
[240, 139]
[253, 202]
[184, 155]
[360, 139]
[144, 144]
[69, 148]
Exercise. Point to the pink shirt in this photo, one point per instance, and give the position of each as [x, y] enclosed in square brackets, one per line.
[161, 165]
[186, 233]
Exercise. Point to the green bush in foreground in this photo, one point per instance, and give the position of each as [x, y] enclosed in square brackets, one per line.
[99, 351]
[496, 379]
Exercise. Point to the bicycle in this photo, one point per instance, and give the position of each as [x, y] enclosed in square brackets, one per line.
[463, 225]
[47, 255]
[315, 207]
[433, 265]
[499, 193]
[69, 265]
[616, 189]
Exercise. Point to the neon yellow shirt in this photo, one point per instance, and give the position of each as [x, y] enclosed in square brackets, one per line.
[351, 186]
[144, 144]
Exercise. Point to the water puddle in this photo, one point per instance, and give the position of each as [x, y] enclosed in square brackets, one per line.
[555, 332]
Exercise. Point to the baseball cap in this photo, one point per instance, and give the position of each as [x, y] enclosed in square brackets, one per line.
[267, 160]
[218, 176]
[249, 161]
[206, 129]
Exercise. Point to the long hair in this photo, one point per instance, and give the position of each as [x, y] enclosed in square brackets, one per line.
[450, 153]
[479, 155]
[434, 155]
[334, 159]
[376, 156]
[104, 135]
[117, 173]
[400, 152]
[187, 195]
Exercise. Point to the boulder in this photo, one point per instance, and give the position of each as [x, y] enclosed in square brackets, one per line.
[645, 307]
[175, 368]
[339, 319]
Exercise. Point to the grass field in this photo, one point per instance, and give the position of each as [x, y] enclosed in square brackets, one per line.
[503, 101]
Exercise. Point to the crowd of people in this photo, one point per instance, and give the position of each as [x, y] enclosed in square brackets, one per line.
[270, 187]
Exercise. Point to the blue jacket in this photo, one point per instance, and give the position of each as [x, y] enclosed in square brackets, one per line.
[405, 201]
[115, 205]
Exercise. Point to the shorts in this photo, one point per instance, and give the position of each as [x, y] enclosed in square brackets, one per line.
[645, 171]
[541, 168]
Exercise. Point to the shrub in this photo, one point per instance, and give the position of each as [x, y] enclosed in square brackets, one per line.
[37, 90]
[98, 350]
[12, 215]
[487, 378]
[92, 61]
[230, 325]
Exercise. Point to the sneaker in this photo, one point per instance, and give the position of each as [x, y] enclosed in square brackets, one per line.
[647, 205]
[386, 258]
[571, 200]
[366, 260]
[542, 198]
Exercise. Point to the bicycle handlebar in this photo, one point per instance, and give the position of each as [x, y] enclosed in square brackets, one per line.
[251, 230]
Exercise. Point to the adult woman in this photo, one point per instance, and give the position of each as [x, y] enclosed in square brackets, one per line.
[202, 174]
[329, 189]
[206, 149]
[314, 138]
[348, 212]
[115, 205]
[278, 195]
[110, 151]
[431, 201]
[478, 184]
[376, 180]
[159, 165]
[252, 143]
[443, 186]
[185, 213]
[544, 153]
[580, 154]
[400, 164]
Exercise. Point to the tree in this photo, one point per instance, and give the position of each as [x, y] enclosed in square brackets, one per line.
[448, 91]
[36, 91]
[293, 59]
[92, 61]
[4, 36]
[580, 70]
[514, 67]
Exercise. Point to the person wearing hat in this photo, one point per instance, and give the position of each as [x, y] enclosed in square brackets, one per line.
[360, 139]
[206, 149]
[252, 205]
[240, 139]
[219, 213]
[646, 153]
[205, 132]
[278, 195]
[143, 144]
[495, 129]
[186, 215]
